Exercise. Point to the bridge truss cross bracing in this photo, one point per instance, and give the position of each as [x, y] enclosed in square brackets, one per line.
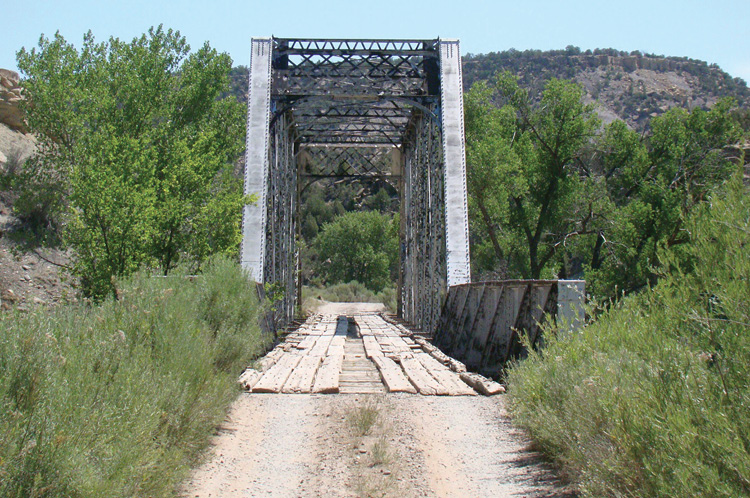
[365, 109]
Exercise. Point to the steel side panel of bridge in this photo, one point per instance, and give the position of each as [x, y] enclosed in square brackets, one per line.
[314, 105]
[253, 247]
[454, 155]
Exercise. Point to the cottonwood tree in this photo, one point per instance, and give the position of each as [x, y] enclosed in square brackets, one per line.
[359, 246]
[135, 151]
[524, 175]
[550, 190]
[655, 184]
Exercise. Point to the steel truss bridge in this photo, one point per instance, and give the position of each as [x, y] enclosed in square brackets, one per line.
[365, 109]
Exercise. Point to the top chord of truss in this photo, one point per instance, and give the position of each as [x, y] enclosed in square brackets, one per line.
[355, 68]
[298, 46]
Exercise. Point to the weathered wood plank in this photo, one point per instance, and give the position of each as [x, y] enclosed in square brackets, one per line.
[308, 342]
[270, 359]
[275, 377]
[337, 346]
[443, 358]
[399, 345]
[481, 384]
[394, 378]
[420, 377]
[449, 380]
[372, 348]
[321, 345]
[249, 378]
[327, 378]
[303, 375]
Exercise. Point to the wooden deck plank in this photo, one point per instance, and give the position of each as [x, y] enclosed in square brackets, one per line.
[249, 378]
[270, 359]
[337, 346]
[399, 345]
[275, 377]
[303, 375]
[393, 377]
[308, 342]
[443, 358]
[448, 379]
[420, 377]
[327, 378]
[321, 345]
[481, 384]
[372, 348]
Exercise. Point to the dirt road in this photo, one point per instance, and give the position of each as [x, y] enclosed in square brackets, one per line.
[281, 445]
[370, 445]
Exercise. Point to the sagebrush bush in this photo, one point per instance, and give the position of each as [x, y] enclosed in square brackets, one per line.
[118, 399]
[653, 399]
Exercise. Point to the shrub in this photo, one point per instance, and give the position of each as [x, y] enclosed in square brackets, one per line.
[652, 399]
[118, 399]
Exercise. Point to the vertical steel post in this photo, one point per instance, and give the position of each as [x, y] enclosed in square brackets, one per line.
[454, 155]
[252, 250]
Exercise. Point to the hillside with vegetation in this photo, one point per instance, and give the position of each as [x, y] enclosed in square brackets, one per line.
[634, 87]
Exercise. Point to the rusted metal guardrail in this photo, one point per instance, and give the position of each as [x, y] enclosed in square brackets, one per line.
[481, 323]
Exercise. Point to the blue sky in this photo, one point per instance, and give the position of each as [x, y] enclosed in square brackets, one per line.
[716, 31]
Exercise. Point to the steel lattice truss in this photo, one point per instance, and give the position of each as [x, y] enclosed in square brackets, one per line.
[342, 161]
[364, 109]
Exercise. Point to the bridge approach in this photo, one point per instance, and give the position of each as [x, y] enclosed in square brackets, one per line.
[390, 110]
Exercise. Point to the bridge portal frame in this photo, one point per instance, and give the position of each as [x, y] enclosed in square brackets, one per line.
[312, 102]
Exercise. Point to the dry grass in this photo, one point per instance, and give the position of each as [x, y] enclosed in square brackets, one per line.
[373, 454]
[380, 453]
[363, 417]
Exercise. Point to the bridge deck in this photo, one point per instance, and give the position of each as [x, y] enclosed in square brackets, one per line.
[363, 353]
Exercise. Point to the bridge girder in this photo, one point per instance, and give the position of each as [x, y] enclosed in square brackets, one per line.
[386, 109]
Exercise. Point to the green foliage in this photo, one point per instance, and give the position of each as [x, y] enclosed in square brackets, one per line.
[119, 399]
[523, 175]
[655, 186]
[652, 398]
[361, 246]
[551, 193]
[135, 152]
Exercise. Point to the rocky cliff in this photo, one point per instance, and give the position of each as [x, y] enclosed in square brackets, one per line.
[10, 96]
[16, 144]
[633, 87]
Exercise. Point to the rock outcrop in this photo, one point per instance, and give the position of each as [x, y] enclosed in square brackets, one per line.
[10, 96]
[16, 143]
[632, 87]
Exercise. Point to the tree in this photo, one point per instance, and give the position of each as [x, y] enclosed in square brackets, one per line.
[361, 246]
[655, 186]
[550, 193]
[135, 151]
[524, 173]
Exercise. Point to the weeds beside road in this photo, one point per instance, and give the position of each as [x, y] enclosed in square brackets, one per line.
[119, 399]
[653, 399]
